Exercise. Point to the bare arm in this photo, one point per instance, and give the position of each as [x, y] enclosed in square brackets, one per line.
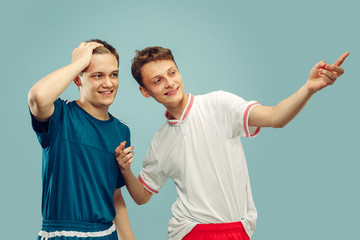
[321, 76]
[44, 93]
[122, 219]
[136, 189]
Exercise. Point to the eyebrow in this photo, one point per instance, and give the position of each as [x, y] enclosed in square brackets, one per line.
[157, 76]
[115, 71]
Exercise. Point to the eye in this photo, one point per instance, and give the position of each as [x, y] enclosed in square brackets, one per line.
[115, 75]
[97, 76]
[157, 80]
[172, 73]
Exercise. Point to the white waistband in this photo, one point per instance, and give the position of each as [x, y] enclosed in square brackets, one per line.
[46, 235]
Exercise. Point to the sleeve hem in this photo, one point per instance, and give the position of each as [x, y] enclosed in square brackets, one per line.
[255, 130]
[147, 186]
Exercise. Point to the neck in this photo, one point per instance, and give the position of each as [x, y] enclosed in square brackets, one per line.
[100, 113]
[176, 111]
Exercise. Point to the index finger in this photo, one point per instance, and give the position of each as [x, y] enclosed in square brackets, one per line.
[341, 59]
[120, 147]
[128, 149]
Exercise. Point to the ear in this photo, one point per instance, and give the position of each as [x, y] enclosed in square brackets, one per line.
[77, 81]
[144, 92]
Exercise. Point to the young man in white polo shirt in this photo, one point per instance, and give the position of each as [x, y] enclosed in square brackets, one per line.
[199, 147]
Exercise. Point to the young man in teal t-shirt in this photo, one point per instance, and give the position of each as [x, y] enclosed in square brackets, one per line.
[81, 195]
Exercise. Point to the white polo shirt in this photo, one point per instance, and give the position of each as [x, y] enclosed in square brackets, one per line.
[203, 155]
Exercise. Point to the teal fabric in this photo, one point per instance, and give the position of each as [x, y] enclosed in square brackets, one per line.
[80, 172]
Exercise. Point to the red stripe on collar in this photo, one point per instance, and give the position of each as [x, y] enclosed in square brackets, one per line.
[184, 114]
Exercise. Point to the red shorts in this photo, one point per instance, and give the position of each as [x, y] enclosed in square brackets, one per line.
[218, 231]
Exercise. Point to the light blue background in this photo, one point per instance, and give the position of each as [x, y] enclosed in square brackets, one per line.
[305, 177]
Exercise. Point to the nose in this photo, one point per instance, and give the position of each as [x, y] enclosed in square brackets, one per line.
[107, 83]
[169, 83]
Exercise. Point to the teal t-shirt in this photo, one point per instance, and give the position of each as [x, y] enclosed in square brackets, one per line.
[79, 169]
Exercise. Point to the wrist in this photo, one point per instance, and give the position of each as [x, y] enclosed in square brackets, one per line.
[125, 171]
[80, 65]
[308, 90]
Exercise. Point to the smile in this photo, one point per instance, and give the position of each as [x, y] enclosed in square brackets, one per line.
[172, 92]
[105, 92]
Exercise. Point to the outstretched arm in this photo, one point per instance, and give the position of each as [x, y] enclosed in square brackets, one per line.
[122, 219]
[321, 76]
[124, 157]
[44, 93]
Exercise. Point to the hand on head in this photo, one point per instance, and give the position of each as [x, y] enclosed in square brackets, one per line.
[84, 52]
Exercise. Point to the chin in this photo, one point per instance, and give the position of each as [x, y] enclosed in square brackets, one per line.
[106, 103]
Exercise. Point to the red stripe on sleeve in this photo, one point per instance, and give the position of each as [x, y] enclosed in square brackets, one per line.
[146, 186]
[245, 122]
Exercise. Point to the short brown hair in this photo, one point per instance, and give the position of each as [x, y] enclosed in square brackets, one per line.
[147, 55]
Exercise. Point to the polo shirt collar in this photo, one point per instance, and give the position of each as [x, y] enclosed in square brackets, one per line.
[183, 115]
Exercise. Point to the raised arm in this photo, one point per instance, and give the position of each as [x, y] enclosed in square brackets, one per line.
[124, 157]
[122, 219]
[44, 93]
[321, 76]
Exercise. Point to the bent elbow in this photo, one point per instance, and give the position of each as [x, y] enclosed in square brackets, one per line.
[142, 201]
[31, 97]
[279, 124]
[35, 98]
[38, 100]
[144, 198]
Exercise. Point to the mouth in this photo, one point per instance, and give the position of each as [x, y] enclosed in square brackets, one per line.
[173, 92]
[106, 93]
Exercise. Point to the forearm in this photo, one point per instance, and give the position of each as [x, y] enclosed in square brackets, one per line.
[281, 114]
[136, 189]
[124, 157]
[122, 219]
[321, 76]
[44, 93]
[288, 109]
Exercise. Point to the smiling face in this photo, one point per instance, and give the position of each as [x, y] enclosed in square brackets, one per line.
[98, 83]
[163, 82]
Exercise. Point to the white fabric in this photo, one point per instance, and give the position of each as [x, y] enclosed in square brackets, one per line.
[46, 235]
[203, 154]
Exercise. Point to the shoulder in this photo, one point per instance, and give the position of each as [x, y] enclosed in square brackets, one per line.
[120, 123]
[208, 95]
[226, 97]
[161, 134]
[214, 98]
[215, 95]
[64, 103]
[163, 129]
